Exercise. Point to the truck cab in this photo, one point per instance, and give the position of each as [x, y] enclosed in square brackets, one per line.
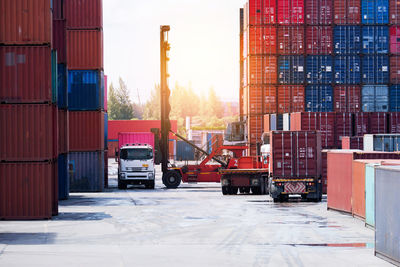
[136, 166]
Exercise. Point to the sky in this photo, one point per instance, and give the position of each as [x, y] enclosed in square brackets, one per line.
[204, 40]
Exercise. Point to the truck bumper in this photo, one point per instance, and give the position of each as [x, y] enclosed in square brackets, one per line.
[136, 176]
[311, 188]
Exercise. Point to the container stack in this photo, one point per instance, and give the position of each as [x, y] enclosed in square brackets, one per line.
[28, 111]
[84, 24]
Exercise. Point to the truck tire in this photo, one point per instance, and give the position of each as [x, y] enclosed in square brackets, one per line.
[244, 190]
[150, 185]
[256, 190]
[225, 190]
[233, 190]
[171, 179]
[121, 184]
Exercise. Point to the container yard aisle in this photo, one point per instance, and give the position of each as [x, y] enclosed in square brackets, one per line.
[191, 226]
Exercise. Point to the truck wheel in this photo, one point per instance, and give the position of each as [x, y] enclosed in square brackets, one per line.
[244, 190]
[233, 190]
[150, 185]
[256, 190]
[225, 190]
[171, 179]
[121, 184]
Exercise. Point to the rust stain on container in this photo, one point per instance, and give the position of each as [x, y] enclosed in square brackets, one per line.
[85, 49]
[86, 130]
[84, 14]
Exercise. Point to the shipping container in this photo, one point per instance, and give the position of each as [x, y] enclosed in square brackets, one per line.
[254, 14]
[290, 40]
[304, 121]
[290, 98]
[347, 40]
[84, 14]
[112, 147]
[262, 40]
[26, 74]
[85, 49]
[105, 168]
[63, 177]
[105, 130]
[361, 123]
[375, 69]
[26, 190]
[86, 171]
[347, 98]
[347, 12]
[347, 70]
[370, 194]
[324, 171]
[375, 40]
[344, 126]
[60, 40]
[63, 133]
[394, 122]
[378, 122]
[261, 70]
[374, 11]
[295, 154]
[255, 129]
[375, 98]
[319, 40]
[85, 90]
[260, 100]
[129, 138]
[353, 142]
[382, 142]
[290, 12]
[184, 151]
[29, 132]
[318, 12]
[395, 40]
[24, 24]
[105, 93]
[394, 70]
[273, 122]
[394, 12]
[62, 90]
[54, 77]
[291, 69]
[86, 130]
[319, 69]
[58, 10]
[118, 126]
[319, 98]
[286, 122]
[387, 221]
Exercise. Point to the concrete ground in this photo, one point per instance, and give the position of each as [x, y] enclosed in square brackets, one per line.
[193, 225]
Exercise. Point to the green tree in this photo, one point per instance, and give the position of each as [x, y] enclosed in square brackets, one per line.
[152, 108]
[119, 104]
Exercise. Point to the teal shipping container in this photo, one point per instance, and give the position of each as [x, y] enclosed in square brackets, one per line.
[54, 76]
[370, 194]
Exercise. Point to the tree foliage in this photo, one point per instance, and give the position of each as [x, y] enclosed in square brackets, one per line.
[120, 106]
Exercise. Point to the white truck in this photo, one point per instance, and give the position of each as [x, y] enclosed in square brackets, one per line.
[136, 166]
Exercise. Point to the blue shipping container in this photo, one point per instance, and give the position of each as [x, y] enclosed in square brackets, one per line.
[291, 69]
[184, 151]
[86, 171]
[319, 69]
[347, 70]
[62, 100]
[319, 98]
[105, 130]
[394, 98]
[85, 90]
[347, 40]
[375, 98]
[63, 177]
[374, 11]
[375, 69]
[375, 40]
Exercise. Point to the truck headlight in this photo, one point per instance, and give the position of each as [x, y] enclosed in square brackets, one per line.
[122, 175]
[151, 175]
[254, 182]
[224, 182]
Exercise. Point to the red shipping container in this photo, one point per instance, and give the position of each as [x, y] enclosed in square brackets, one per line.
[25, 75]
[262, 70]
[54, 193]
[260, 100]
[295, 154]
[353, 142]
[304, 121]
[118, 126]
[319, 40]
[361, 123]
[324, 171]
[394, 121]
[255, 128]
[290, 12]
[260, 12]
[319, 12]
[125, 138]
[395, 69]
[25, 22]
[28, 132]
[290, 98]
[86, 130]
[63, 133]
[290, 40]
[26, 190]
[347, 12]
[60, 40]
[58, 9]
[85, 49]
[344, 127]
[84, 14]
[395, 40]
[394, 11]
[262, 40]
[347, 98]
[378, 122]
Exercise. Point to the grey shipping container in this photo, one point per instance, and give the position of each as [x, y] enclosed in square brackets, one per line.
[382, 142]
[387, 215]
[375, 98]
[184, 151]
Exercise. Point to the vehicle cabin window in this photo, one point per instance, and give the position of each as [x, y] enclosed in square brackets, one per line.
[136, 153]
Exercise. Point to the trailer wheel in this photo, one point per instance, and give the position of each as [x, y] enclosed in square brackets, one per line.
[244, 190]
[225, 190]
[171, 179]
[256, 190]
[233, 190]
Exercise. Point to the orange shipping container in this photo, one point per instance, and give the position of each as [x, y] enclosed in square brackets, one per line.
[262, 40]
[262, 70]
[85, 49]
[255, 129]
[290, 98]
[260, 100]
[86, 131]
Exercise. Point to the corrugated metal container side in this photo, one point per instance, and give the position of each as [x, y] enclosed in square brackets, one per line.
[62, 99]
[347, 40]
[58, 9]
[86, 171]
[54, 77]
[24, 24]
[119, 126]
[347, 12]
[361, 123]
[382, 142]
[375, 69]
[290, 40]
[290, 98]
[387, 221]
[105, 130]
[347, 98]
[85, 90]
[319, 98]
[291, 69]
[63, 133]
[261, 40]
[395, 70]
[304, 121]
[105, 168]
[25, 75]
[375, 98]
[259, 97]
[112, 147]
[344, 126]
[63, 177]
[374, 11]
[84, 14]
[86, 130]
[394, 12]
[255, 15]
[135, 138]
[286, 122]
[26, 190]
[378, 122]
[60, 40]
[375, 40]
[370, 194]
[394, 122]
[85, 49]
[353, 142]
[319, 40]
[262, 70]
[324, 171]
[319, 69]
[255, 129]
[290, 12]
[395, 40]
[105, 93]
[318, 12]
[184, 151]
[29, 132]
[347, 70]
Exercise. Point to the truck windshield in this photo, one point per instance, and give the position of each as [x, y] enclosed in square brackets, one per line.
[136, 153]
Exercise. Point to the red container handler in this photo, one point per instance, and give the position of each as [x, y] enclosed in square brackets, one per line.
[290, 40]
[262, 70]
[262, 40]
[260, 100]
[394, 122]
[26, 190]
[347, 98]
[25, 22]
[378, 122]
[25, 75]
[29, 132]
[361, 123]
[347, 12]
[290, 98]
[86, 131]
[344, 126]
[394, 12]
[60, 40]
[84, 14]
[319, 12]
[319, 40]
[63, 131]
[85, 49]
[290, 12]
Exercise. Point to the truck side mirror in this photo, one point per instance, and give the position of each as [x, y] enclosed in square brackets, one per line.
[116, 155]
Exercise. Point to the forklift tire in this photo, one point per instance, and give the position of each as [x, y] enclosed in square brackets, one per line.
[171, 179]
[121, 184]
[150, 185]
[233, 190]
